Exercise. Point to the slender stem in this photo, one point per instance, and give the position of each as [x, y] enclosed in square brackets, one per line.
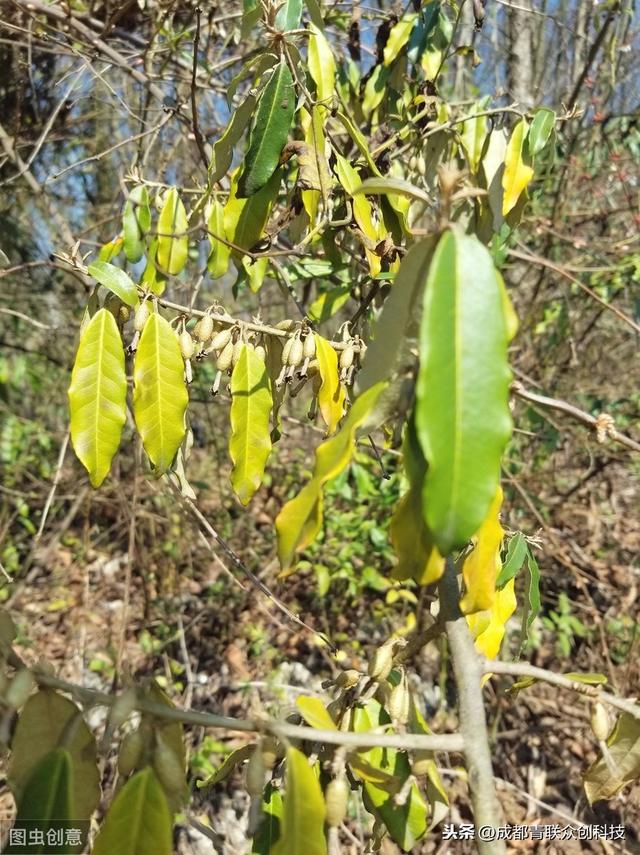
[473, 725]
[563, 681]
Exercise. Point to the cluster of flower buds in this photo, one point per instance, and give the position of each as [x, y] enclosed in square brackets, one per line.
[298, 354]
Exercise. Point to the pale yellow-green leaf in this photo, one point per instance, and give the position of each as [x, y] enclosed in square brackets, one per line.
[488, 627]
[362, 211]
[398, 37]
[473, 135]
[322, 65]
[250, 441]
[218, 262]
[375, 89]
[517, 169]
[300, 519]
[482, 565]
[97, 396]
[331, 397]
[303, 813]
[159, 395]
[173, 242]
[314, 712]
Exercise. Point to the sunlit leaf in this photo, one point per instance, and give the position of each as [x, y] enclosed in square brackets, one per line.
[173, 241]
[518, 171]
[136, 222]
[375, 89]
[159, 394]
[362, 211]
[331, 397]
[249, 441]
[473, 136]
[218, 261]
[532, 604]
[49, 721]
[328, 304]
[482, 565]
[269, 132]
[462, 412]
[289, 15]
[398, 37]
[406, 823]
[314, 712]
[303, 811]
[97, 396]
[116, 280]
[322, 65]
[488, 627]
[542, 125]
[138, 821]
[152, 279]
[375, 186]
[300, 519]
[604, 779]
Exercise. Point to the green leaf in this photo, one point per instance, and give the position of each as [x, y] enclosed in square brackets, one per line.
[269, 132]
[47, 801]
[406, 823]
[152, 279]
[245, 219]
[159, 394]
[377, 186]
[398, 37]
[314, 712]
[250, 441]
[111, 249]
[516, 554]
[269, 830]
[116, 280]
[532, 604]
[397, 322]
[47, 722]
[136, 222]
[289, 16]
[173, 242]
[303, 810]
[542, 125]
[589, 678]
[222, 155]
[604, 779]
[300, 519]
[230, 762]
[138, 821]
[250, 17]
[518, 171]
[462, 411]
[360, 141]
[322, 65]
[98, 395]
[331, 396]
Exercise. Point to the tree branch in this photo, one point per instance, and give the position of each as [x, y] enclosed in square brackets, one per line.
[473, 726]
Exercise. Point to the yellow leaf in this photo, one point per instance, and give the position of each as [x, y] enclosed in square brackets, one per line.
[488, 627]
[249, 441]
[300, 519]
[314, 712]
[97, 396]
[331, 397]
[517, 171]
[159, 395]
[398, 37]
[418, 556]
[481, 567]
